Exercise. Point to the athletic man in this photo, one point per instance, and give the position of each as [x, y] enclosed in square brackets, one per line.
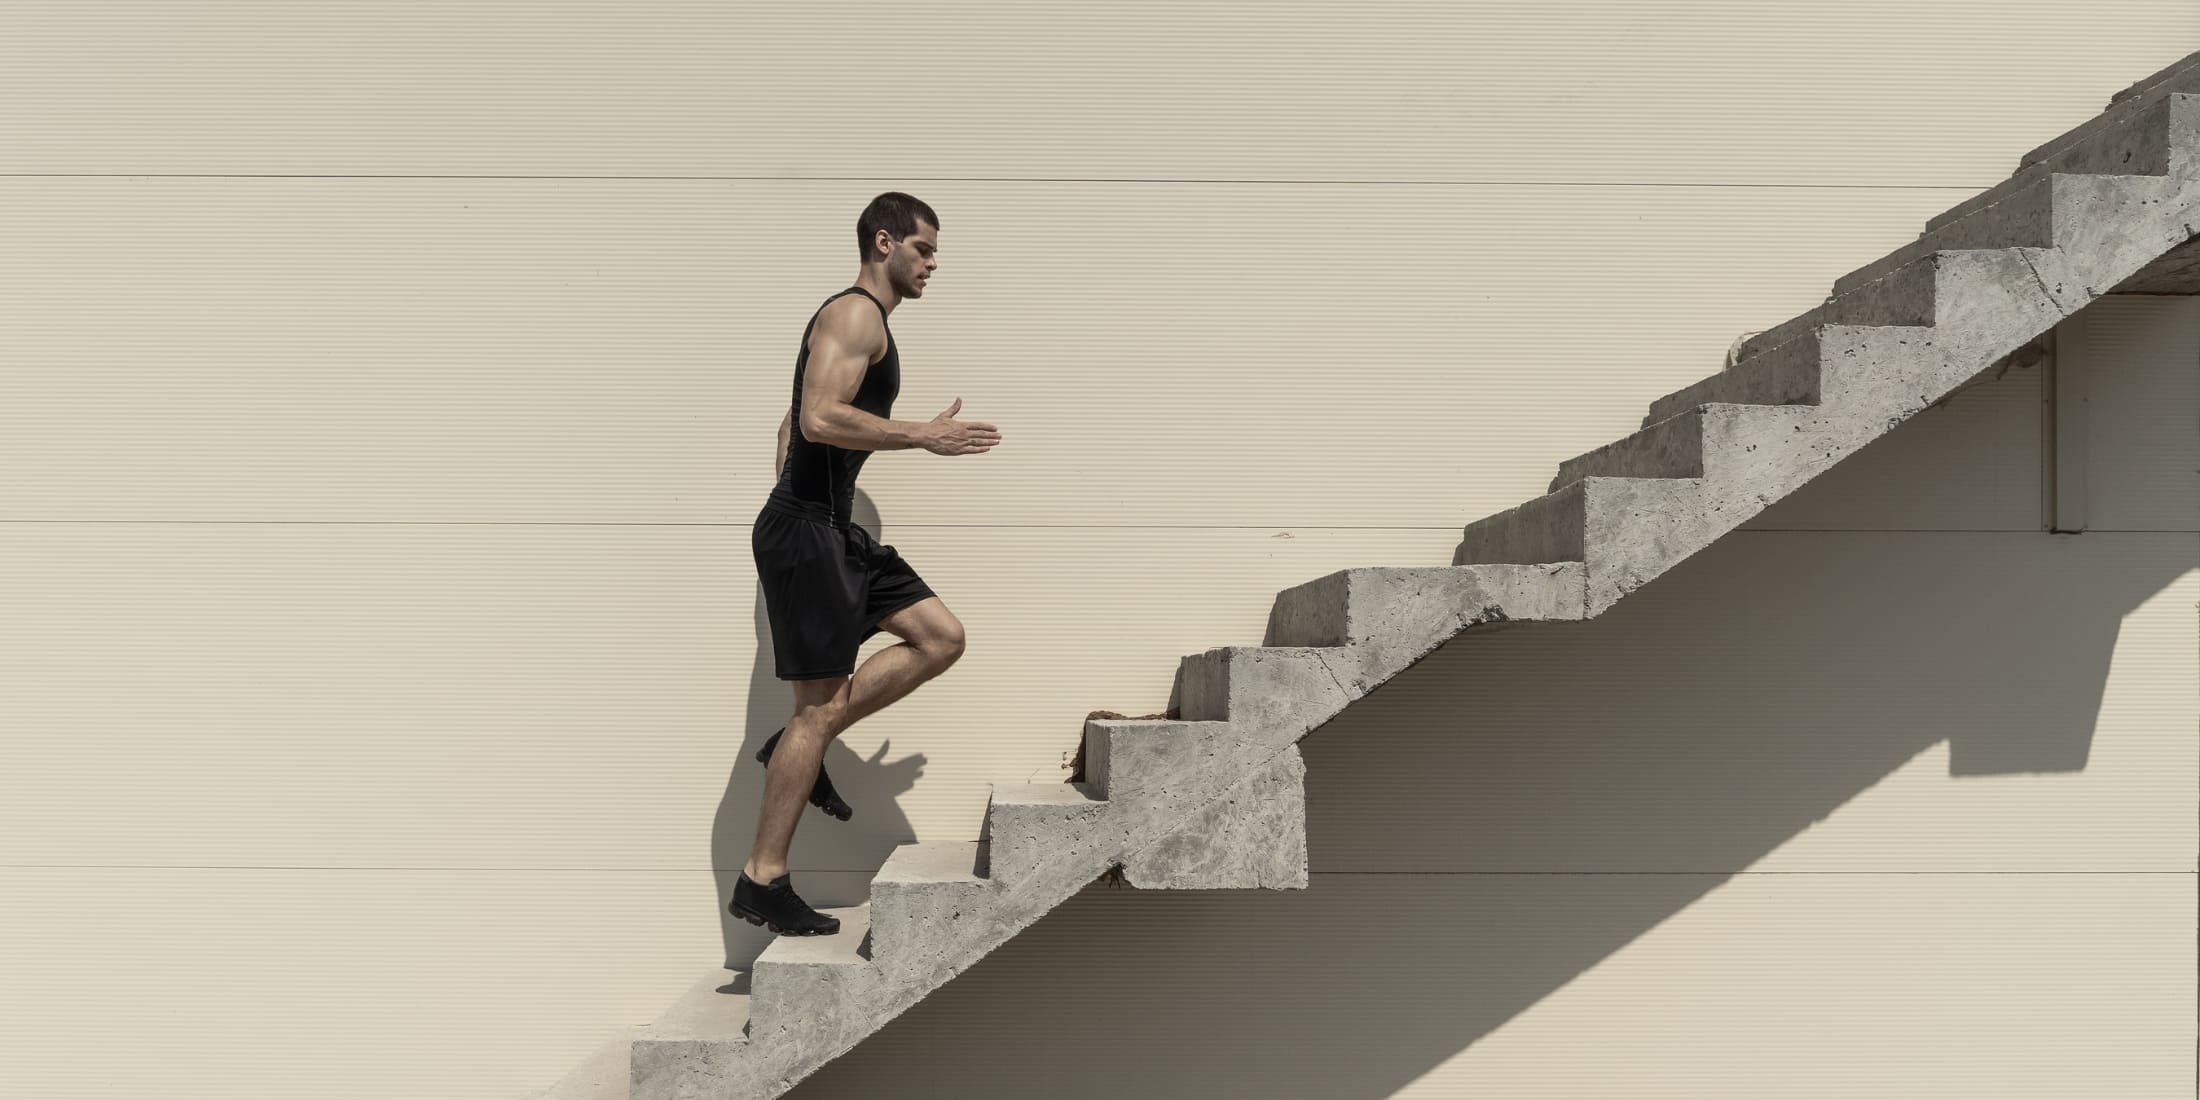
[828, 585]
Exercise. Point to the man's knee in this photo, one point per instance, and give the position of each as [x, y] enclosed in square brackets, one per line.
[824, 703]
[947, 645]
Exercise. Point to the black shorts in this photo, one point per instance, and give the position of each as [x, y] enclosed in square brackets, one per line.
[825, 590]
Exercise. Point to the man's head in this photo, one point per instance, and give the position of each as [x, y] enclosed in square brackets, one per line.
[901, 235]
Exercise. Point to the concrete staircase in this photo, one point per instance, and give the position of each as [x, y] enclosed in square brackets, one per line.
[1215, 798]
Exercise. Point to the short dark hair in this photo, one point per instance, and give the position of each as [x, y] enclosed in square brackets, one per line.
[895, 213]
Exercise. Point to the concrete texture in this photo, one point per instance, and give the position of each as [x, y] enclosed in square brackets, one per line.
[2152, 137]
[1217, 798]
[1705, 464]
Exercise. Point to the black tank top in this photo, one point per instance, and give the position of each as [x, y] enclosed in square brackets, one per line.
[818, 480]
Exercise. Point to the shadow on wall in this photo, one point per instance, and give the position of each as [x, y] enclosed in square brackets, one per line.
[1694, 728]
[874, 787]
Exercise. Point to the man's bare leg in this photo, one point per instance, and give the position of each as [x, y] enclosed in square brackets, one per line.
[792, 773]
[932, 639]
[824, 709]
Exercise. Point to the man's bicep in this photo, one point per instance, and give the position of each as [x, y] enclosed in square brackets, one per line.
[834, 370]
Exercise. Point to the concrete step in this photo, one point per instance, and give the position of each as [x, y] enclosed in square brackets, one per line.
[2041, 206]
[1550, 528]
[919, 898]
[2135, 137]
[1240, 826]
[1785, 375]
[603, 1075]
[1030, 825]
[1132, 756]
[707, 1025]
[1985, 303]
[1283, 691]
[1413, 604]
[799, 978]
[1714, 439]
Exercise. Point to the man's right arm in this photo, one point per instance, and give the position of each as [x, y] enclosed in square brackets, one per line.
[852, 429]
[841, 348]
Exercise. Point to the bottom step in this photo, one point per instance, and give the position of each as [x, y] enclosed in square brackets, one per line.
[716, 1007]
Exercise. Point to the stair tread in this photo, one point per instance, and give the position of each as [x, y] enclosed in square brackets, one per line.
[932, 861]
[1045, 794]
[843, 948]
[716, 1007]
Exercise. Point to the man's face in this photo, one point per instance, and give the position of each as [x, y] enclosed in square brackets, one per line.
[913, 260]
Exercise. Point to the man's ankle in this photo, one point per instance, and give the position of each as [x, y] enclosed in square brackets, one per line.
[766, 880]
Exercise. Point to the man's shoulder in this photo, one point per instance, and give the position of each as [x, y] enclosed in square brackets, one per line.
[854, 321]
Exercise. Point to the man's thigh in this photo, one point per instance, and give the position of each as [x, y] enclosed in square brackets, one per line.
[926, 622]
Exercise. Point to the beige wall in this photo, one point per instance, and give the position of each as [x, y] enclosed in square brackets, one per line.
[386, 392]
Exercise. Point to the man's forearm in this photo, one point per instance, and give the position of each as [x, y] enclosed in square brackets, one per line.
[779, 461]
[851, 429]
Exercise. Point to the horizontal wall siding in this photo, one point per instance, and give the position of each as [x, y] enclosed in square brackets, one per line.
[623, 351]
[512, 695]
[1969, 464]
[2142, 407]
[1833, 701]
[384, 650]
[206, 983]
[529, 695]
[1683, 987]
[202, 984]
[537, 697]
[1715, 91]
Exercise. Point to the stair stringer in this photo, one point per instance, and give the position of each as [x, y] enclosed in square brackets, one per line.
[1984, 305]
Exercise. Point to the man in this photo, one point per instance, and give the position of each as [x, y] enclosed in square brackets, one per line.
[828, 586]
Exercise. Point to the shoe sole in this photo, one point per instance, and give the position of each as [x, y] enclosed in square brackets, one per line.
[753, 918]
[761, 758]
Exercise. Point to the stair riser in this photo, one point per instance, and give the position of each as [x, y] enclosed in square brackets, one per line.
[2025, 218]
[810, 1006]
[921, 931]
[1253, 836]
[1025, 838]
[1784, 375]
[1281, 691]
[1130, 762]
[1416, 608]
[1709, 441]
[1546, 529]
[1673, 447]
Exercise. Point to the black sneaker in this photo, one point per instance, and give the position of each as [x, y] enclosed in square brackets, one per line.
[822, 794]
[778, 907]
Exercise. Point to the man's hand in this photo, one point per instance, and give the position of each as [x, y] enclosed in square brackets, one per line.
[948, 436]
